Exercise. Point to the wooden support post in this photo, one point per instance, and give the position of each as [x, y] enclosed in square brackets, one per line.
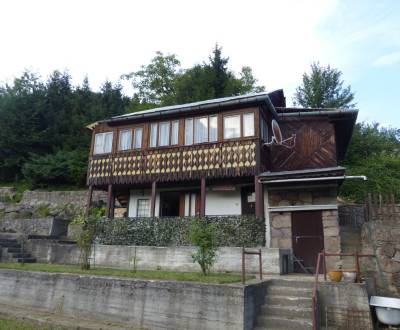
[203, 197]
[153, 199]
[110, 204]
[259, 205]
[89, 200]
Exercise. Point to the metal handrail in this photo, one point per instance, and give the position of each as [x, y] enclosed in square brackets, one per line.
[244, 252]
[321, 260]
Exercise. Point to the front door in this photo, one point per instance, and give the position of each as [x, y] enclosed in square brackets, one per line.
[172, 204]
[307, 238]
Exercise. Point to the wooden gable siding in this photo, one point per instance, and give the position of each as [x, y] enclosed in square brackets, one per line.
[315, 145]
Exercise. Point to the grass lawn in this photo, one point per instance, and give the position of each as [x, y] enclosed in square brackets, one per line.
[13, 324]
[218, 278]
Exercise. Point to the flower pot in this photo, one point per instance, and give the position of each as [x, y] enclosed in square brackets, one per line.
[335, 275]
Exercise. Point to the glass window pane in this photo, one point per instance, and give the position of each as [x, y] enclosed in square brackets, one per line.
[213, 128]
[138, 138]
[231, 127]
[164, 134]
[200, 130]
[248, 124]
[174, 132]
[188, 131]
[125, 140]
[108, 142]
[98, 143]
[153, 135]
[143, 208]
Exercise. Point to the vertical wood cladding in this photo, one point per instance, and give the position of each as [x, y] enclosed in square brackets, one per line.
[315, 146]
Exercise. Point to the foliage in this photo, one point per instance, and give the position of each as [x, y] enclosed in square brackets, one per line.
[42, 210]
[202, 235]
[375, 152]
[323, 88]
[85, 241]
[219, 278]
[164, 82]
[230, 231]
[42, 126]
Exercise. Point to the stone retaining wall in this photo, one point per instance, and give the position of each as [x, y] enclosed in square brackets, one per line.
[136, 303]
[229, 259]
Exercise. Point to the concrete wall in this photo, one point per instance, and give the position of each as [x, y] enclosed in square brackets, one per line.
[137, 303]
[77, 198]
[344, 302]
[151, 258]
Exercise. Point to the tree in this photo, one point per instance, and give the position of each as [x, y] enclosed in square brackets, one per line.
[153, 83]
[375, 152]
[323, 88]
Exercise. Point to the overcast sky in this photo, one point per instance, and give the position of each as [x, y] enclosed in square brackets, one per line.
[278, 39]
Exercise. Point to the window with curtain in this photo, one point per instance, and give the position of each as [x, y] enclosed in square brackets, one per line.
[143, 208]
[231, 127]
[248, 124]
[201, 130]
[213, 128]
[174, 132]
[163, 137]
[125, 139]
[103, 143]
[189, 131]
[153, 135]
[138, 137]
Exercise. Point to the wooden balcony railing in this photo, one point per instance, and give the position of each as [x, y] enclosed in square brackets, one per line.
[223, 159]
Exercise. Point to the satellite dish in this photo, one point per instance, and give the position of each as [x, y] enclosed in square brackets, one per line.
[276, 131]
[277, 138]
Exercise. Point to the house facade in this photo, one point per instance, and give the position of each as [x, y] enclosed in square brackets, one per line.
[243, 155]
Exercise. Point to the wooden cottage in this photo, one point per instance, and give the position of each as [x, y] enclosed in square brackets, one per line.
[242, 155]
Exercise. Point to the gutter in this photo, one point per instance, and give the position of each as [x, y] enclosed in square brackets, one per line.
[318, 113]
[330, 178]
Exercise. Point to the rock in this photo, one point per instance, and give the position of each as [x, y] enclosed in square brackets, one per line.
[331, 231]
[281, 220]
[332, 244]
[388, 250]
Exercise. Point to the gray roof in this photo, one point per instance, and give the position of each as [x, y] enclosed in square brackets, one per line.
[241, 100]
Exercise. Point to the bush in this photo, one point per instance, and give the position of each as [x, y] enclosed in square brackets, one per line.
[85, 241]
[203, 236]
[230, 231]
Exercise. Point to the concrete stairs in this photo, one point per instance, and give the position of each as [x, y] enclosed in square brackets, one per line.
[288, 305]
[11, 250]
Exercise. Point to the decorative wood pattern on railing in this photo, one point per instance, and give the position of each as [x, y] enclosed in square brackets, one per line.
[224, 159]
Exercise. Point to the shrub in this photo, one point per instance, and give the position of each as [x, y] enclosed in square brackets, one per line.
[85, 241]
[202, 235]
[42, 210]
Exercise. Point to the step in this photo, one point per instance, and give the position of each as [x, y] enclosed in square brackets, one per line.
[20, 255]
[290, 312]
[289, 291]
[26, 260]
[292, 283]
[278, 323]
[288, 301]
[13, 249]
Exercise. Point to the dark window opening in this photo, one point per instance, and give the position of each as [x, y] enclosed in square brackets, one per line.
[169, 204]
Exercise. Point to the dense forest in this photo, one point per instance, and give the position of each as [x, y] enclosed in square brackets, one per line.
[44, 142]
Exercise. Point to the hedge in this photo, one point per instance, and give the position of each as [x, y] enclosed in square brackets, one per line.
[173, 231]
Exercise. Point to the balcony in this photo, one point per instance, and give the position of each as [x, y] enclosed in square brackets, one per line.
[217, 160]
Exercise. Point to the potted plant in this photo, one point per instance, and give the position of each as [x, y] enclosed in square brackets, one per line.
[335, 275]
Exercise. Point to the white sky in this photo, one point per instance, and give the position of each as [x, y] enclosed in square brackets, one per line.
[278, 39]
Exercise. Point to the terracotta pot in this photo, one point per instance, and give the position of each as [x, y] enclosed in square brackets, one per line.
[335, 275]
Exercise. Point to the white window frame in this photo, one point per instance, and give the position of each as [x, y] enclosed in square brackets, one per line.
[164, 142]
[120, 147]
[210, 128]
[248, 130]
[153, 138]
[203, 139]
[147, 210]
[189, 131]
[100, 143]
[224, 122]
[174, 132]
[137, 145]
